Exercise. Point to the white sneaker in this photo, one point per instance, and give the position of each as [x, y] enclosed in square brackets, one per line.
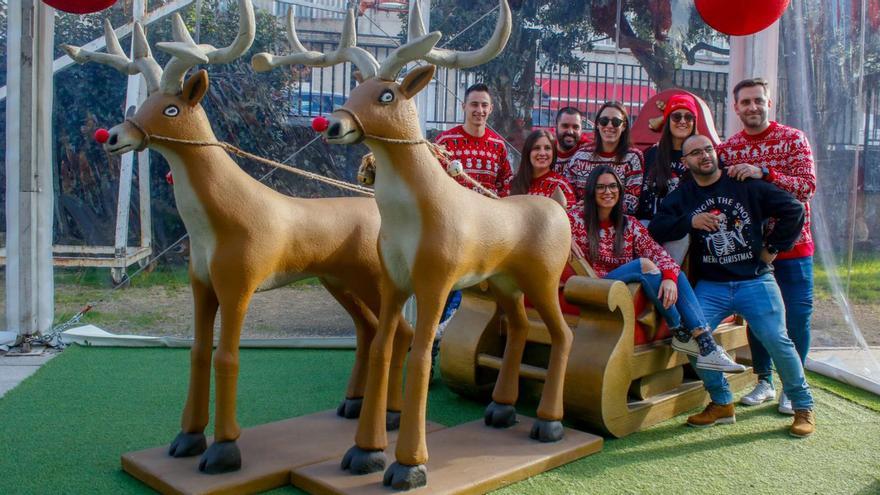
[691, 348]
[762, 392]
[785, 405]
[718, 360]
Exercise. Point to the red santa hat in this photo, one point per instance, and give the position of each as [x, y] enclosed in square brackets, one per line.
[679, 102]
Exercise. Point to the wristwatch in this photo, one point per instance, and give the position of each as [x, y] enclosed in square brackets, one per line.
[765, 172]
[772, 250]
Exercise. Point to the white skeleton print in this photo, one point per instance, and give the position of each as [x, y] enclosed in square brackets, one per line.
[724, 241]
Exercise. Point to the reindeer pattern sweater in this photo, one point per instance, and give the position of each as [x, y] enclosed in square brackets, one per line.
[637, 243]
[546, 184]
[786, 153]
[483, 158]
[629, 171]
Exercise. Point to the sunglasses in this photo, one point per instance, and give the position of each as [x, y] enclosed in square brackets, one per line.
[678, 117]
[615, 122]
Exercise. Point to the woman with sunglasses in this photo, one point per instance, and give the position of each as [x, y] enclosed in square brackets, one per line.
[619, 247]
[611, 147]
[535, 175]
[664, 169]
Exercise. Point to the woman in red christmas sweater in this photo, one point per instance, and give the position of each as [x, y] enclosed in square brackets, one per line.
[619, 247]
[535, 175]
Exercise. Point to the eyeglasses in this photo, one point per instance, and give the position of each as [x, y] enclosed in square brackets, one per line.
[613, 187]
[709, 150]
[615, 122]
[678, 117]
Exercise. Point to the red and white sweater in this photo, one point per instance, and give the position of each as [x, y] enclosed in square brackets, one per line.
[483, 158]
[637, 243]
[786, 153]
[546, 184]
[629, 171]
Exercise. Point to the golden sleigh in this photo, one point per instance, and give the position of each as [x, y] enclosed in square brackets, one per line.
[622, 374]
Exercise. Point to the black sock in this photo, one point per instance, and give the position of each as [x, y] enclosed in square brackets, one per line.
[706, 343]
[680, 334]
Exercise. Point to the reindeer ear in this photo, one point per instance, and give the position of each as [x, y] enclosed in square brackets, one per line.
[416, 80]
[195, 87]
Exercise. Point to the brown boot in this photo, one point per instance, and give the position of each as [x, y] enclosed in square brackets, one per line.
[714, 414]
[804, 423]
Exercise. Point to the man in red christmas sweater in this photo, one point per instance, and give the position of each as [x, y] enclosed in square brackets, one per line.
[569, 137]
[779, 155]
[482, 152]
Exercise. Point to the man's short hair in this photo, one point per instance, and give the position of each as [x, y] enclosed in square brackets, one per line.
[477, 87]
[750, 83]
[568, 111]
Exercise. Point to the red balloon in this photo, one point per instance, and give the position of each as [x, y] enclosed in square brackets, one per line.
[80, 6]
[741, 17]
[320, 123]
[101, 135]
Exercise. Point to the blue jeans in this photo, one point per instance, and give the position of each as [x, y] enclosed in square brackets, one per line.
[795, 279]
[685, 310]
[760, 302]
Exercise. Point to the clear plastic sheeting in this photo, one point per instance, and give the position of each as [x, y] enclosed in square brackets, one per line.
[829, 86]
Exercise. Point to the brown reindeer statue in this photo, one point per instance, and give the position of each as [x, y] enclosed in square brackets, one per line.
[437, 236]
[244, 236]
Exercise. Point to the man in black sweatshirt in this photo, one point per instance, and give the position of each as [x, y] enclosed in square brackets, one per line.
[732, 261]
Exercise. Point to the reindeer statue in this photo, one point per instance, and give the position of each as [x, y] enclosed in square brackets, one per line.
[245, 237]
[437, 236]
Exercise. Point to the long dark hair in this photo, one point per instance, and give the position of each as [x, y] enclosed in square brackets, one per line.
[624, 144]
[591, 213]
[522, 181]
[661, 172]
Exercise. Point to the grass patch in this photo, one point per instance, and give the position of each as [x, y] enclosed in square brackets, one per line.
[863, 277]
[854, 394]
[100, 403]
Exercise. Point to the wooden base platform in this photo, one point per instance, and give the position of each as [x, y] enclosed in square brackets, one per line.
[269, 452]
[467, 459]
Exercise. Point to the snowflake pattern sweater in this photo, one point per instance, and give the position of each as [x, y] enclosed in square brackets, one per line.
[629, 171]
[483, 158]
[786, 153]
[546, 184]
[650, 197]
[637, 243]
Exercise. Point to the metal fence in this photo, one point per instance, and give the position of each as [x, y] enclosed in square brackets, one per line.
[317, 91]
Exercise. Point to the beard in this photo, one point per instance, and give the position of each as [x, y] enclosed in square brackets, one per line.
[698, 170]
[563, 145]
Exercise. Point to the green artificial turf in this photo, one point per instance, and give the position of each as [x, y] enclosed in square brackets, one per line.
[67, 425]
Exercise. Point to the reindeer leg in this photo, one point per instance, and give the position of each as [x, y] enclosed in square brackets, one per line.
[191, 439]
[402, 340]
[365, 330]
[501, 413]
[223, 455]
[367, 455]
[544, 296]
[409, 470]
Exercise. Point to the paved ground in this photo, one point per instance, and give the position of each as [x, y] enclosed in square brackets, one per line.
[14, 369]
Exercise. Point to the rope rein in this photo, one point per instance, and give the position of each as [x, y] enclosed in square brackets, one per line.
[368, 160]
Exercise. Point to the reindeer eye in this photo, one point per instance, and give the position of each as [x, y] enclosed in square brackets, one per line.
[387, 96]
[171, 111]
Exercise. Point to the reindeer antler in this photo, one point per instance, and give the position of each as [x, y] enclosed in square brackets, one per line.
[185, 53]
[418, 46]
[143, 62]
[347, 51]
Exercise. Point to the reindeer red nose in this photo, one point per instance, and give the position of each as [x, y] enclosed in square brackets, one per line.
[169, 178]
[320, 123]
[102, 135]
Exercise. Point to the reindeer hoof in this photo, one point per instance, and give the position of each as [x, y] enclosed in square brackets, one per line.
[392, 420]
[547, 431]
[402, 477]
[350, 408]
[187, 445]
[221, 457]
[360, 461]
[500, 415]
